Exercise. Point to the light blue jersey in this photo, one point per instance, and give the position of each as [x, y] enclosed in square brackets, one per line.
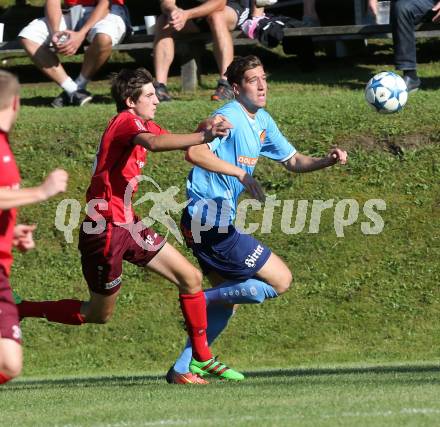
[213, 197]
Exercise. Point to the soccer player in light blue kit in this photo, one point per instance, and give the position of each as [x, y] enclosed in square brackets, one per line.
[241, 269]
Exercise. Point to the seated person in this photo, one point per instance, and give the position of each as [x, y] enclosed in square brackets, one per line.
[190, 16]
[405, 14]
[102, 22]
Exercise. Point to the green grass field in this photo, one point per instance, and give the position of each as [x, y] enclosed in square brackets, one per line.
[344, 396]
[356, 340]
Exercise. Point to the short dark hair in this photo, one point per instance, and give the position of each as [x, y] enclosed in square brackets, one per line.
[239, 66]
[9, 87]
[128, 84]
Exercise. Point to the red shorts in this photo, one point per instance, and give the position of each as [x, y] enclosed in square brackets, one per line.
[9, 323]
[102, 254]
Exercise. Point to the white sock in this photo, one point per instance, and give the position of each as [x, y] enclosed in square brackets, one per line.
[69, 86]
[81, 81]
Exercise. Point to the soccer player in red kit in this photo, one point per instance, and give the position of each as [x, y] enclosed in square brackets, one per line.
[112, 233]
[19, 236]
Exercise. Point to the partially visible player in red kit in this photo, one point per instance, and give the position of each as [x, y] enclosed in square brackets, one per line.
[19, 236]
[111, 232]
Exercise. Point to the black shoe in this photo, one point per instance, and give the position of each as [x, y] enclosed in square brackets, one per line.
[310, 22]
[223, 92]
[80, 98]
[162, 92]
[62, 100]
[412, 85]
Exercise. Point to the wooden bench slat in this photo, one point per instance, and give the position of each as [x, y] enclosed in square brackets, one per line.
[144, 41]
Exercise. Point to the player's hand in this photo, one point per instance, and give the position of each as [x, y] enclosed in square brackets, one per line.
[55, 182]
[338, 156]
[214, 127]
[72, 44]
[252, 186]
[23, 239]
[436, 9]
[178, 18]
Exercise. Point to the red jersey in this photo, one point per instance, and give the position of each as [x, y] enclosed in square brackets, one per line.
[92, 3]
[9, 178]
[117, 163]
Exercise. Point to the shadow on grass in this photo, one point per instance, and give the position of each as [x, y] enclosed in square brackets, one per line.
[119, 380]
[137, 380]
[398, 369]
[45, 101]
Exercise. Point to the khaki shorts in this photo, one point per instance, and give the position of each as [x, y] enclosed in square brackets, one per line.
[114, 25]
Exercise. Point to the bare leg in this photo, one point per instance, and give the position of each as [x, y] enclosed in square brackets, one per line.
[163, 51]
[11, 357]
[99, 308]
[221, 24]
[276, 273]
[172, 265]
[96, 55]
[45, 60]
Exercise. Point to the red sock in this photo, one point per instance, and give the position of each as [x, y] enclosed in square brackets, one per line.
[4, 378]
[65, 311]
[194, 310]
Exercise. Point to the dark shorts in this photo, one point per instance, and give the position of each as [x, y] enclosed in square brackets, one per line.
[202, 25]
[241, 8]
[232, 254]
[102, 254]
[9, 323]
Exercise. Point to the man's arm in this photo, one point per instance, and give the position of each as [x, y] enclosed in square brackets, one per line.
[301, 163]
[55, 183]
[101, 10]
[203, 157]
[207, 130]
[179, 17]
[206, 8]
[372, 6]
[169, 141]
[52, 11]
[76, 38]
[167, 6]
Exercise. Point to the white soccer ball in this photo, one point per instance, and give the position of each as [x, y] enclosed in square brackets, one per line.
[386, 92]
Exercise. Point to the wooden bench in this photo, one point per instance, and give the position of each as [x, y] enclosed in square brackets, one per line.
[190, 46]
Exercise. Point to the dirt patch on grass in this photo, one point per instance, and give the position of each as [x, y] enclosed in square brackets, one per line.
[394, 144]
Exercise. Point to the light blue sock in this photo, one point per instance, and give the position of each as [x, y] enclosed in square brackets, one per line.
[218, 316]
[251, 291]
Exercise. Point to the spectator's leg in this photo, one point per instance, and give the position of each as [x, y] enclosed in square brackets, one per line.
[163, 51]
[95, 56]
[310, 16]
[35, 39]
[45, 60]
[221, 24]
[405, 14]
[106, 33]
